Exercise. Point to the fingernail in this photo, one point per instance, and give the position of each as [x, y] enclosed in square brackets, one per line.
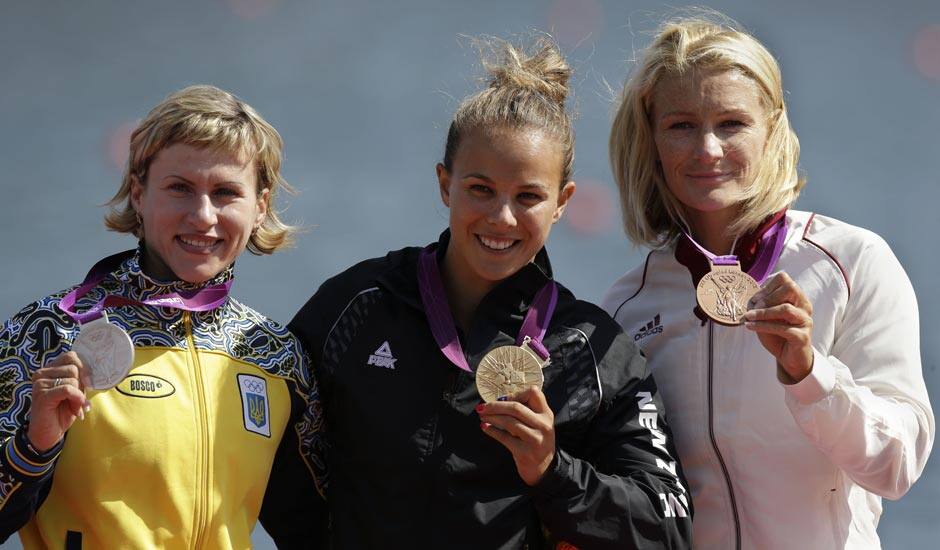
[484, 425]
[87, 406]
[479, 408]
[81, 413]
[502, 398]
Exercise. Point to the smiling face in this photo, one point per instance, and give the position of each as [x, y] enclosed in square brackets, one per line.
[504, 193]
[199, 207]
[710, 128]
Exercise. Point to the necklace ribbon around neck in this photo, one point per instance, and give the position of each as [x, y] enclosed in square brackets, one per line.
[434, 298]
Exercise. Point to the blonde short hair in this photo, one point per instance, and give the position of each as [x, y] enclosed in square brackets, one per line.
[526, 90]
[651, 214]
[205, 116]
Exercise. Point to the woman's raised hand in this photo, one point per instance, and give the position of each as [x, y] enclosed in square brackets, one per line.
[782, 317]
[525, 425]
[58, 399]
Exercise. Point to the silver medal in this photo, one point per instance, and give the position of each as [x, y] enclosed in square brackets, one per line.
[106, 351]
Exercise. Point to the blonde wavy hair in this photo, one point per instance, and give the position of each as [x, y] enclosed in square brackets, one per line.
[526, 89]
[206, 117]
[651, 213]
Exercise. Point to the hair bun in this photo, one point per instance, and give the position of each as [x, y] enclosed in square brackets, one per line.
[545, 72]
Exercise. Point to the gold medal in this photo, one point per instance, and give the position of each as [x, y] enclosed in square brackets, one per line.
[506, 370]
[724, 292]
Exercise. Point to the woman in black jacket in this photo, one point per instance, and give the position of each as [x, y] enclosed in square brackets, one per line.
[569, 443]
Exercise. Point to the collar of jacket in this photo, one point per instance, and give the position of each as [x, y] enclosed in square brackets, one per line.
[501, 310]
[747, 249]
[130, 272]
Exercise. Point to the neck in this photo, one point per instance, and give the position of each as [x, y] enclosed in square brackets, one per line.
[710, 229]
[154, 267]
[464, 291]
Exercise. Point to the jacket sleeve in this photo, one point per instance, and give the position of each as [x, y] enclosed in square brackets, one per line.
[865, 404]
[622, 488]
[294, 511]
[27, 340]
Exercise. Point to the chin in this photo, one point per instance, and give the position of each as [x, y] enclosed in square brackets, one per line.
[496, 274]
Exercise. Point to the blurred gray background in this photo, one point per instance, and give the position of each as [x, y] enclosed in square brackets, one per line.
[362, 92]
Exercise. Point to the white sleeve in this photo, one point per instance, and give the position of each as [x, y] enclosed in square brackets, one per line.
[865, 405]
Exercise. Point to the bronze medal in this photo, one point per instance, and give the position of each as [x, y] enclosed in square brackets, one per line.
[506, 370]
[724, 292]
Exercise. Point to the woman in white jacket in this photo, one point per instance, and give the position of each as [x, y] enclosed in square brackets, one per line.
[797, 406]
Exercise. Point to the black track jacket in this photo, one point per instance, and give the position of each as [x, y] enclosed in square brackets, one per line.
[410, 466]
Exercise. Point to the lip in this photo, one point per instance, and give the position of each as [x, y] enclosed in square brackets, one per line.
[209, 246]
[711, 177]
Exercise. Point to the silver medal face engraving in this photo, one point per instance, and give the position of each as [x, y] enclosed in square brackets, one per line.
[724, 292]
[106, 351]
[506, 370]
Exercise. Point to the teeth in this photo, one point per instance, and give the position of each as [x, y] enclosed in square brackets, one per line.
[198, 242]
[496, 244]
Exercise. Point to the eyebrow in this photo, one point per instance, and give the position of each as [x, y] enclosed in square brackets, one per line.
[732, 111]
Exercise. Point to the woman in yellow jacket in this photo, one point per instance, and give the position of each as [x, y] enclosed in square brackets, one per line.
[145, 407]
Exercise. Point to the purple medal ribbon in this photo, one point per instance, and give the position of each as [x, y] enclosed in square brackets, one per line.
[770, 249]
[204, 299]
[442, 324]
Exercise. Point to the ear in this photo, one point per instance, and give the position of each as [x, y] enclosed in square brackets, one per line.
[136, 192]
[262, 206]
[567, 191]
[443, 181]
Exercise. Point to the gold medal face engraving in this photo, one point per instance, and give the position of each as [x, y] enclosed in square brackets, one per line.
[506, 370]
[724, 292]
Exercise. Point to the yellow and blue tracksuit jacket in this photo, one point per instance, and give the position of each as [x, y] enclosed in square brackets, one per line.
[217, 423]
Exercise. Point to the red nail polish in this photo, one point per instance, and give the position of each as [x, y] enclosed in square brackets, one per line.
[479, 408]
[484, 425]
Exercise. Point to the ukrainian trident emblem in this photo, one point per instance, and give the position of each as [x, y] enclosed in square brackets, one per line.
[256, 409]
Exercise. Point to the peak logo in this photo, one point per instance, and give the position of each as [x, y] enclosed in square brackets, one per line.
[653, 327]
[383, 357]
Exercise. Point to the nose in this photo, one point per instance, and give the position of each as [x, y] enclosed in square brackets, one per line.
[203, 214]
[501, 214]
[710, 148]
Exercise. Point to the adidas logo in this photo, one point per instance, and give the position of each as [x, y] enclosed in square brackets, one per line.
[383, 357]
[651, 328]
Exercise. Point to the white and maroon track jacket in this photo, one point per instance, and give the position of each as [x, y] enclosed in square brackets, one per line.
[790, 466]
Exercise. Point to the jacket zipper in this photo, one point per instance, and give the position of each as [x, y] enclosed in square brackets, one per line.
[711, 433]
[202, 423]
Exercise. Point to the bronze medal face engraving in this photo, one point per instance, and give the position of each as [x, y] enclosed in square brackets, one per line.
[506, 370]
[724, 292]
[106, 351]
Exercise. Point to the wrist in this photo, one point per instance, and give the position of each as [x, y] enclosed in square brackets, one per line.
[547, 466]
[37, 444]
[25, 460]
[790, 375]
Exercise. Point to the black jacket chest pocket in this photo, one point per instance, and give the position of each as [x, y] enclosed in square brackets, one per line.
[572, 389]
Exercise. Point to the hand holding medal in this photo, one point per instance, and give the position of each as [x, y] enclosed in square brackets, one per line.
[524, 424]
[509, 378]
[777, 310]
[782, 317]
[58, 398]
